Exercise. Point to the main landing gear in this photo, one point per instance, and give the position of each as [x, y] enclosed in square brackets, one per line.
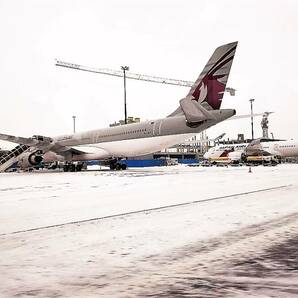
[73, 167]
[116, 165]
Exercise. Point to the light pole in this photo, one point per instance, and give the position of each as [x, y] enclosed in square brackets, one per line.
[125, 68]
[252, 118]
[74, 124]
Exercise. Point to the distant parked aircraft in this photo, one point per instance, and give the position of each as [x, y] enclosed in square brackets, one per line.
[234, 152]
[199, 110]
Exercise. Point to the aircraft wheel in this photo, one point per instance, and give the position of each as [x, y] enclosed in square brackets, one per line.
[123, 166]
[72, 168]
[79, 167]
[113, 166]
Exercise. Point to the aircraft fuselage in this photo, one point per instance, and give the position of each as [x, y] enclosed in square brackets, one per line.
[134, 139]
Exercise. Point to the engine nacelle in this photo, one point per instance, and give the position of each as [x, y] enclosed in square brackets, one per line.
[30, 159]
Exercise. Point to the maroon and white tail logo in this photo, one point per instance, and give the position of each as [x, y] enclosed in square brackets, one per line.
[210, 88]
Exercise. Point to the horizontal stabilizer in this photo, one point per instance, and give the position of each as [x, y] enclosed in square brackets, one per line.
[194, 111]
[248, 116]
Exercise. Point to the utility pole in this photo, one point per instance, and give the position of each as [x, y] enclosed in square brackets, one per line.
[74, 124]
[125, 68]
[252, 118]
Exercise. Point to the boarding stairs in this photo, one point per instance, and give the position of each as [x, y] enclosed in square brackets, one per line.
[11, 157]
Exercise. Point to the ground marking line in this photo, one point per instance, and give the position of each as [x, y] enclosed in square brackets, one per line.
[145, 210]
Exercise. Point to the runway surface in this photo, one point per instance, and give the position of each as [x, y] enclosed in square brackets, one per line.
[156, 232]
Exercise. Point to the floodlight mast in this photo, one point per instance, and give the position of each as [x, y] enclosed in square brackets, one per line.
[133, 76]
[125, 68]
[251, 118]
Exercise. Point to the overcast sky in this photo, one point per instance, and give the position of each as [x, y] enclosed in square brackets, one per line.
[164, 38]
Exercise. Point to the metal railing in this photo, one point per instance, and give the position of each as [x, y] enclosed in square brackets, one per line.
[13, 153]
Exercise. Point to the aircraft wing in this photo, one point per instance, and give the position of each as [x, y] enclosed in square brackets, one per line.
[39, 141]
[18, 140]
[53, 151]
[47, 144]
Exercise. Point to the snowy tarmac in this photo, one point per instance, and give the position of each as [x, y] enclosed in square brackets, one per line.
[156, 232]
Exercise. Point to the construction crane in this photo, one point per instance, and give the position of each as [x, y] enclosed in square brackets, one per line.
[133, 76]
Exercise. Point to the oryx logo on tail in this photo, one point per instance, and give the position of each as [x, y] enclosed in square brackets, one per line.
[211, 84]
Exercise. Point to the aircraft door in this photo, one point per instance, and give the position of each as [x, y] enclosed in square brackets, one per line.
[156, 127]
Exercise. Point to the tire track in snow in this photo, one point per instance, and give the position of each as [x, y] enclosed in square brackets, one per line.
[232, 265]
[243, 194]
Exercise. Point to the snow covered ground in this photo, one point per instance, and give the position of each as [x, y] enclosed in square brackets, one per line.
[232, 234]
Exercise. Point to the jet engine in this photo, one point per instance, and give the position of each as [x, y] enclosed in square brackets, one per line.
[30, 159]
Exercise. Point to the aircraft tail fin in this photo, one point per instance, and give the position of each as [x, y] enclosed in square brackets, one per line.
[208, 90]
[211, 84]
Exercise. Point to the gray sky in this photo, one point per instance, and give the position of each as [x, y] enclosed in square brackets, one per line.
[164, 38]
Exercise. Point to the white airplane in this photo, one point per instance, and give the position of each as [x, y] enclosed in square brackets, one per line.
[234, 152]
[199, 110]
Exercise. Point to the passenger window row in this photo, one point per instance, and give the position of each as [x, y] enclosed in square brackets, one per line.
[287, 146]
[144, 130]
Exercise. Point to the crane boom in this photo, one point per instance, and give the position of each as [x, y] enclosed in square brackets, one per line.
[130, 75]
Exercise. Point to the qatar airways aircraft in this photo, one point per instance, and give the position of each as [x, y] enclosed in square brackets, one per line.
[197, 111]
